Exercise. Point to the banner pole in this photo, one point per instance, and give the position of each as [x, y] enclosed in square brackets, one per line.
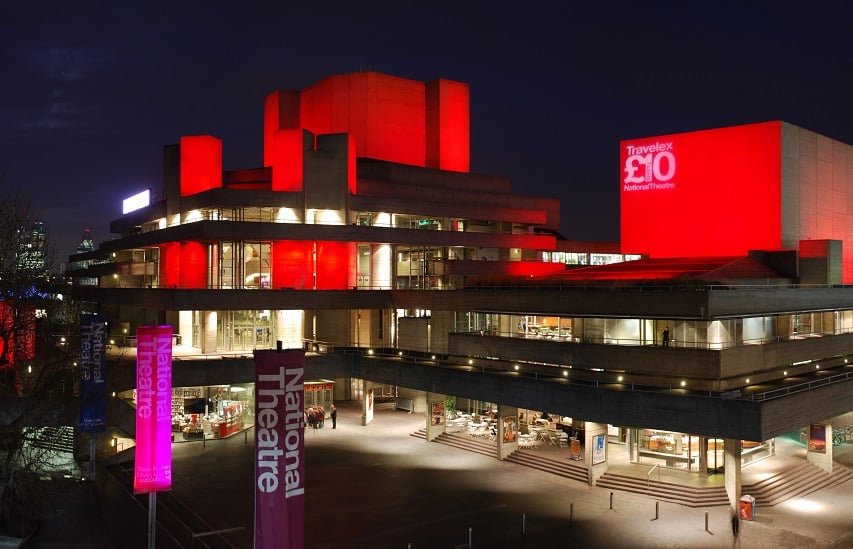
[92, 457]
[152, 518]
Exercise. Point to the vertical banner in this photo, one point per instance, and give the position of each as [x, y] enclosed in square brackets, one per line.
[93, 396]
[153, 465]
[279, 449]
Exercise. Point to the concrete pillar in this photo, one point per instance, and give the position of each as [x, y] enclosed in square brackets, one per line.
[703, 456]
[208, 332]
[508, 430]
[288, 328]
[731, 462]
[819, 448]
[185, 327]
[595, 450]
[367, 402]
[435, 415]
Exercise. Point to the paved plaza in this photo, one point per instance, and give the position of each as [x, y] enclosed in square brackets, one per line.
[377, 487]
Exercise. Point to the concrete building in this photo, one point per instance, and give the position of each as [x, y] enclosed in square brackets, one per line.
[365, 231]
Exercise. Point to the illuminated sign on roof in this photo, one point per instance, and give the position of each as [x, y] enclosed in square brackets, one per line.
[136, 202]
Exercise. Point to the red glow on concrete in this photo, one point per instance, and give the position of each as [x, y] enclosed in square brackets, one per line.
[351, 163]
[706, 193]
[385, 115]
[335, 264]
[201, 164]
[448, 125]
[286, 160]
[170, 265]
[193, 272]
[281, 112]
[291, 264]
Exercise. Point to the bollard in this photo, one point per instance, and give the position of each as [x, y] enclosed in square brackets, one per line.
[706, 521]
[611, 500]
[523, 523]
[246, 436]
[470, 530]
[571, 512]
[657, 510]
[204, 442]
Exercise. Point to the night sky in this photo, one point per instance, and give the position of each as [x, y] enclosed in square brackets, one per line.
[93, 91]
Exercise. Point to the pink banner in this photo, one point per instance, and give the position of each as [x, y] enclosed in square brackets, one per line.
[279, 449]
[153, 464]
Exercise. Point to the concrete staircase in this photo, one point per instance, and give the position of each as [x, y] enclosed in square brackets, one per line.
[789, 484]
[55, 439]
[690, 496]
[795, 483]
[525, 458]
[792, 483]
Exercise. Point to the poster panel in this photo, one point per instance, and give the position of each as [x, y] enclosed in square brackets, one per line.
[280, 449]
[510, 428]
[438, 413]
[153, 463]
[599, 448]
[817, 438]
[93, 396]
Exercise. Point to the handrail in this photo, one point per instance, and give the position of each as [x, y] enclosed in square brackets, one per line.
[649, 476]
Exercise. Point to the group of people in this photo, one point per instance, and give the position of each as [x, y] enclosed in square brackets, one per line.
[316, 417]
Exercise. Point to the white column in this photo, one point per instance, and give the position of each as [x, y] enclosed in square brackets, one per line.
[289, 328]
[380, 266]
[208, 332]
[185, 327]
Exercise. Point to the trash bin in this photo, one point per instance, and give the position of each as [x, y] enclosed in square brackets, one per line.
[747, 508]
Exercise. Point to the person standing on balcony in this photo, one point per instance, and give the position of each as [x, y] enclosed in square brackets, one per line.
[666, 337]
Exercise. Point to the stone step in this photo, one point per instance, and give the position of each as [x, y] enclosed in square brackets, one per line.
[796, 482]
[524, 458]
[565, 469]
[789, 484]
[690, 496]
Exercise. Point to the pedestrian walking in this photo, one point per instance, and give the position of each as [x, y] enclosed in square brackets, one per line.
[334, 414]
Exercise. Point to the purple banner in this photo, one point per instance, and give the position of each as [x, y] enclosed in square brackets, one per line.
[93, 395]
[153, 463]
[279, 449]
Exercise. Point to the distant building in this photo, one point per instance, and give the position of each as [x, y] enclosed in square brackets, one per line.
[33, 253]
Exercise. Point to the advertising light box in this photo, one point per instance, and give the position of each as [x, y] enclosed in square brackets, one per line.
[700, 194]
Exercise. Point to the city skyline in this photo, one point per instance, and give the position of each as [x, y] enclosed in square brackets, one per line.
[96, 96]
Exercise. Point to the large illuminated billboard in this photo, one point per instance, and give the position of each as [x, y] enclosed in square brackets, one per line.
[705, 193]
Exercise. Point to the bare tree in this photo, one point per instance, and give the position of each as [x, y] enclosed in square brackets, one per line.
[36, 363]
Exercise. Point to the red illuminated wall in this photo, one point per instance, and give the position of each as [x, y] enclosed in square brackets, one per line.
[335, 262]
[193, 265]
[286, 160]
[291, 264]
[706, 193]
[183, 265]
[201, 164]
[390, 118]
[170, 265]
[448, 133]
